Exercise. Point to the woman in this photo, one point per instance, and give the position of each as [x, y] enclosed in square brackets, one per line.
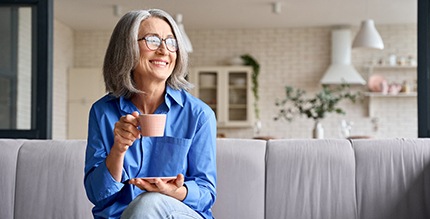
[144, 69]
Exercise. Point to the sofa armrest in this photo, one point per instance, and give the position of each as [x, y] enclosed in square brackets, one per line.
[241, 179]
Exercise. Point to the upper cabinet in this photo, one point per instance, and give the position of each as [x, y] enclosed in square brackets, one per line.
[227, 90]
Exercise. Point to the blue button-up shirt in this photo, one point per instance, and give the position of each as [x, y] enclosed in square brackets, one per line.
[188, 147]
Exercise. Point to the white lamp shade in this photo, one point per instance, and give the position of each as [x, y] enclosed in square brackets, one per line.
[368, 36]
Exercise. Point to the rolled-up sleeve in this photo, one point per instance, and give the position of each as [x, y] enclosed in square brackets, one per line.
[99, 184]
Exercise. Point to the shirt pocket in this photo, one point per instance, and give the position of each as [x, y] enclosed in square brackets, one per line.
[169, 156]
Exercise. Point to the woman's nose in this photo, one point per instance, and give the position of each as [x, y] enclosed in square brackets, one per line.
[162, 49]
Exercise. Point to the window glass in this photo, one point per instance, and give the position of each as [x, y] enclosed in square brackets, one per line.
[15, 68]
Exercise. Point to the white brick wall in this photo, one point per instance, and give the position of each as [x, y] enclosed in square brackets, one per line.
[63, 60]
[291, 56]
[90, 47]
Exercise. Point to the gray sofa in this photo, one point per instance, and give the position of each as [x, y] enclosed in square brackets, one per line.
[303, 178]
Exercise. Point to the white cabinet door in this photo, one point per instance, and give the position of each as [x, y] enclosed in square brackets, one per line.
[227, 90]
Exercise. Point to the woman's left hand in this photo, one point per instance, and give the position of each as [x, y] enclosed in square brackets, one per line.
[174, 188]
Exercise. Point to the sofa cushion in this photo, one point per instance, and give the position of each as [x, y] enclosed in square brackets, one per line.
[393, 178]
[49, 181]
[8, 161]
[310, 179]
[240, 179]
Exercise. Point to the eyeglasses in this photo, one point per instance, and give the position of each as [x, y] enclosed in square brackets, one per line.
[153, 42]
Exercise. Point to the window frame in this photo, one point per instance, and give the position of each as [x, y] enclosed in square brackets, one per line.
[42, 49]
[423, 72]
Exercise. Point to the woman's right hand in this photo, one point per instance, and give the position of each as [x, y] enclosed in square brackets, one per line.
[126, 132]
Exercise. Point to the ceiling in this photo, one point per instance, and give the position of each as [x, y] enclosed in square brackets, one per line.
[229, 14]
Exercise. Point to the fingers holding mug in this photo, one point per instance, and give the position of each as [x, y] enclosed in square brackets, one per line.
[126, 131]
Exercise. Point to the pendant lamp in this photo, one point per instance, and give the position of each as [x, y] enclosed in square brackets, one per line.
[368, 36]
[188, 46]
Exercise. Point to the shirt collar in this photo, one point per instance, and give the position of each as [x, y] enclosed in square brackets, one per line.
[126, 105]
[172, 96]
[175, 95]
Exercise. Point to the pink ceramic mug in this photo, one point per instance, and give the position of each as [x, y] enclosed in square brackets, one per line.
[152, 124]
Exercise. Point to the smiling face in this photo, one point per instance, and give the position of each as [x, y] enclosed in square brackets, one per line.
[155, 66]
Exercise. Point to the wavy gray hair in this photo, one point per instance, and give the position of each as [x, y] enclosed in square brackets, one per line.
[122, 54]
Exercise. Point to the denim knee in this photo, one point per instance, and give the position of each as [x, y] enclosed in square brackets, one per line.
[146, 205]
[150, 205]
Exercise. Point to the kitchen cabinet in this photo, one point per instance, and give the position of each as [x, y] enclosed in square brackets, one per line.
[227, 90]
[402, 75]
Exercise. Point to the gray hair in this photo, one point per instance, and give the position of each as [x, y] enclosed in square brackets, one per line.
[122, 54]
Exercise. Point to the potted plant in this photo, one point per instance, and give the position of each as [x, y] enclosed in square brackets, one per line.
[295, 103]
[250, 61]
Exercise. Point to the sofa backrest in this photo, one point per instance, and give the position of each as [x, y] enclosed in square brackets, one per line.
[8, 160]
[287, 178]
[393, 178]
[241, 179]
[310, 179]
[58, 190]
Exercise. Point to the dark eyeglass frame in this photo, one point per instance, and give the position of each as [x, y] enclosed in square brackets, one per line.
[168, 45]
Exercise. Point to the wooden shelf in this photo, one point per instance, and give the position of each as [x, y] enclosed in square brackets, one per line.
[238, 87]
[238, 106]
[391, 73]
[378, 94]
[207, 87]
[392, 67]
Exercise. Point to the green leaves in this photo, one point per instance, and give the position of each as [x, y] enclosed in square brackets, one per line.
[250, 61]
[295, 103]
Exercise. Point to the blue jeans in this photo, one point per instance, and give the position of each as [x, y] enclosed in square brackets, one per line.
[154, 205]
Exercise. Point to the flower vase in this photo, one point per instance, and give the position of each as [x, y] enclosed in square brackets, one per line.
[257, 127]
[318, 131]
